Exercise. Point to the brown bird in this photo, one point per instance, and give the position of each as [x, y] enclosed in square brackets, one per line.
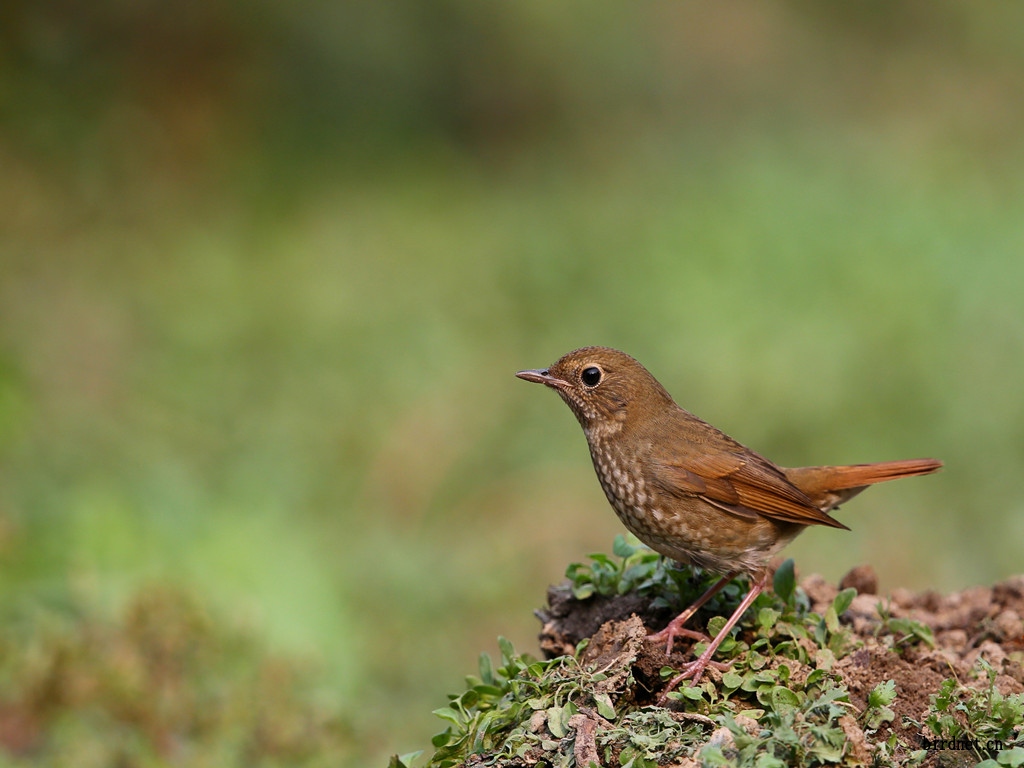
[691, 492]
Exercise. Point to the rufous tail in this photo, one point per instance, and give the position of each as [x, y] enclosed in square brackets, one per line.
[829, 486]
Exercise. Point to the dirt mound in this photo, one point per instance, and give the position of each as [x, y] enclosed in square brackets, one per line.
[815, 674]
[935, 649]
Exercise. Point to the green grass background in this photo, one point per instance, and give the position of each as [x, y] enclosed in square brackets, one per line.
[266, 274]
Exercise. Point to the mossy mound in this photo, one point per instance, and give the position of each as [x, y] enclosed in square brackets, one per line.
[819, 675]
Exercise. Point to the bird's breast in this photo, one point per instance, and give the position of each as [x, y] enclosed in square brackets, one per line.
[623, 483]
[687, 529]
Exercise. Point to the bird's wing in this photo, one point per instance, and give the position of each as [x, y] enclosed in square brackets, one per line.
[741, 483]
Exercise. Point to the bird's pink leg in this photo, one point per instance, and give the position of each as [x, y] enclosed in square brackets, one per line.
[675, 627]
[695, 669]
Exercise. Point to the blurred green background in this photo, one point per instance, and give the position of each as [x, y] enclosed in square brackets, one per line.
[267, 269]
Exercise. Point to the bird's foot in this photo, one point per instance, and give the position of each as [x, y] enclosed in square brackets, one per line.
[676, 629]
[693, 671]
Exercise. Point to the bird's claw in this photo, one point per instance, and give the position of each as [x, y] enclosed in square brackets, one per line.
[692, 671]
[672, 631]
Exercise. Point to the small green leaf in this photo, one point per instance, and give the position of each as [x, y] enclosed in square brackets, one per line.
[883, 694]
[784, 700]
[442, 738]
[827, 753]
[489, 690]
[945, 694]
[1014, 758]
[404, 761]
[537, 669]
[727, 646]
[732, 680]
[583, 591]
[815, 677]
[843, 600]
[712, 755]
[557, 722]
[785, 580]
[486, 669]
[824, 659]
[507, 651]
[604, 706]
[449, 714]
[622, 548]
[875, 716]
[839, 642]
[820, 632]
[767, 617]
[756, 660]
[909, 630]
[832, 618]
[692, 692]
[788, 629]
[716, 624]
[759, 679]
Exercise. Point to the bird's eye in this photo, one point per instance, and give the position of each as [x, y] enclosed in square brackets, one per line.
[591, 376]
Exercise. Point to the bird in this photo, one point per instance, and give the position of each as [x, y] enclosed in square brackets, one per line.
[691, 492]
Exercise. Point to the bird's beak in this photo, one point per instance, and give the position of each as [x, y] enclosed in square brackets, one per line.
[541, 376]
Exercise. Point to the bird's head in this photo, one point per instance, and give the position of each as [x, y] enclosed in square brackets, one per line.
[602, 386]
